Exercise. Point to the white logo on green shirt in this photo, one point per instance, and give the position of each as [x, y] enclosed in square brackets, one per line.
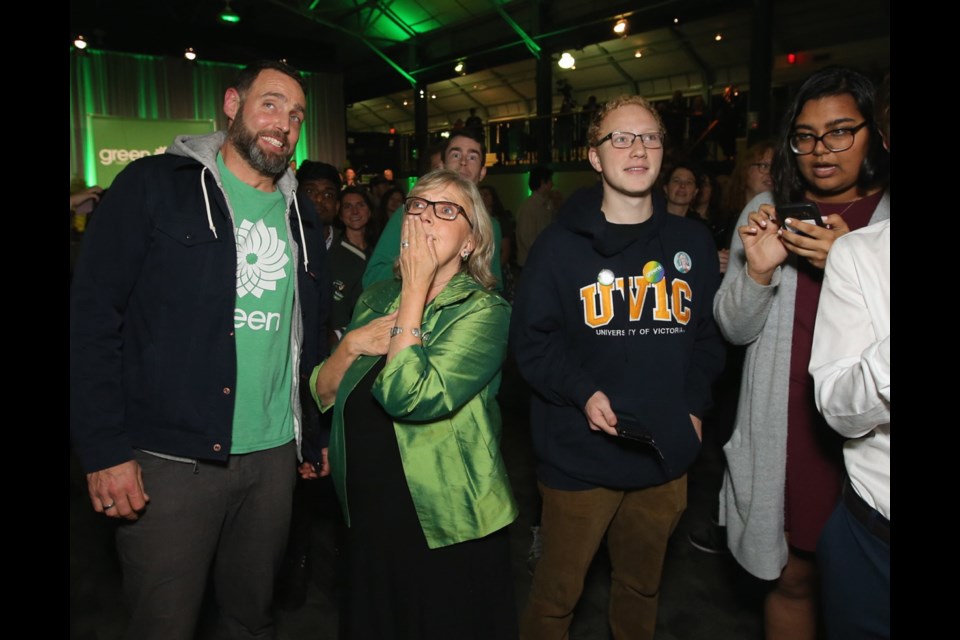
[261, 256]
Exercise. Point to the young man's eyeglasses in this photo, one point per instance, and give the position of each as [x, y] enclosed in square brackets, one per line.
[625, 139]
[443, 210]
[834, 140]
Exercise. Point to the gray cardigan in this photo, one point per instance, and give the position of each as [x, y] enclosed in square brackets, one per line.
[761, 317]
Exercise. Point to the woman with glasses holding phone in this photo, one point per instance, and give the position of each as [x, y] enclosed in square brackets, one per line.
[415, 447]
[784, 464]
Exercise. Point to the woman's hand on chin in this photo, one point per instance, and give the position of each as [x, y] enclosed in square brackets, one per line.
[418, 255]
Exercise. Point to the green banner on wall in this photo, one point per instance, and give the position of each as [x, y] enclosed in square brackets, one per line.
[117, 142]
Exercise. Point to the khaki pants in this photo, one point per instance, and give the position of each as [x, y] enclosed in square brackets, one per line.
[638, 524]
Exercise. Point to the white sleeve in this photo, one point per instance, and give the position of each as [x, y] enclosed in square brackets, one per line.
[850, 363]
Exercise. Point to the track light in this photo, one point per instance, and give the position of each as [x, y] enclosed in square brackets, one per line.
[460, 68]
[228, 15]
[80, 43]
[621, 27]
[718, 37]
[566, 61]
[190, 54]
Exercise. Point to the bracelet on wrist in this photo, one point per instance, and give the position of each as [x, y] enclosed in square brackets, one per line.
[415, 332]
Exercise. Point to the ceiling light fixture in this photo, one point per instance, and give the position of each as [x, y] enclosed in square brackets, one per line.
[228, 15]
[621, 27]
[405, 103]
[80, 43]
[460, 68]
[566, 61]
[433, 96]
[676, 21]
[638, 54]
[190, 54]
[718, 37]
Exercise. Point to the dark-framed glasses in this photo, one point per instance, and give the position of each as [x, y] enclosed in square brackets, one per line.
[443, 210]
[625, 139]
[834, 140]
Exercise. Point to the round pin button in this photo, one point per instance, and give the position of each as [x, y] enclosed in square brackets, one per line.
[605, 277]
[653, 272]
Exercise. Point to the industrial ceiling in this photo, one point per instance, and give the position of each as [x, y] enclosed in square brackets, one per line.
[383, 47]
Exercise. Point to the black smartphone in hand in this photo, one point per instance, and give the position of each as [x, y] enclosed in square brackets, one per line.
[806, 211]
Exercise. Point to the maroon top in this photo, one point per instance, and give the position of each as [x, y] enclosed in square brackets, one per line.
[814, 450]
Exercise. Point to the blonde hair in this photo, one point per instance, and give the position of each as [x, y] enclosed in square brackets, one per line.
[593, 133]
[735, 195]
[478, 264]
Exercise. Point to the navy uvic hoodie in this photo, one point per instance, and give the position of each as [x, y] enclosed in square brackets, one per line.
[626, 312]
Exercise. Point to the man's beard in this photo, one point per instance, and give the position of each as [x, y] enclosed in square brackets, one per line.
[246, 143]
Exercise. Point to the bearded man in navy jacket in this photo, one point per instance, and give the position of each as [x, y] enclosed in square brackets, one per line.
[197, 306]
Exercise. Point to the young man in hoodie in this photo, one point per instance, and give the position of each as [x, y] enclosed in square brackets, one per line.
[197, 305]
[613, 328]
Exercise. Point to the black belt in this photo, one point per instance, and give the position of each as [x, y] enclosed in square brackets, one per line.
[866, 515]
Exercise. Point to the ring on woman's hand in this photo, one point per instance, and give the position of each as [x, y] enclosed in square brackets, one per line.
[404, 244]
[109, 506]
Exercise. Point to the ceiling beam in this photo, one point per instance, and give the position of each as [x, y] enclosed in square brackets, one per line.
[530, 43]
[359, 36]
[395, 19]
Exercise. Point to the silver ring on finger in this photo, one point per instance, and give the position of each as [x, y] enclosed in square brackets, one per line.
[404, 244]
[109, 506]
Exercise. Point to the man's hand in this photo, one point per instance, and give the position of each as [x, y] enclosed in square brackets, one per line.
[600, 415]
[118, 491]
[310, 471]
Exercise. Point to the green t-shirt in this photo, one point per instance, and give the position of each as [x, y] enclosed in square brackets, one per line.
[262, 319]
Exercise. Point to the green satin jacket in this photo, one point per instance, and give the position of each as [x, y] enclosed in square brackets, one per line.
[442, 397]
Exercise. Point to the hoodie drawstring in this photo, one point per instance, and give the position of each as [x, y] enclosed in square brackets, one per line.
[303, 240]
[206, 201]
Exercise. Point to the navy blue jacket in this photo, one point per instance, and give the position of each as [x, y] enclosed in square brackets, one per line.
[599, 309]
[153, 359]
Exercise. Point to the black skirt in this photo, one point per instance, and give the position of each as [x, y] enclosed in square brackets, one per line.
[396, 587]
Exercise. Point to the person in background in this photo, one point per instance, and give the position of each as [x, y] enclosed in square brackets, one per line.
[491, 200]
[415, 447]
[196, 307]
[850, 365]
[784, 469]
[536, 212]
[348, 258]
[85, 195]
[750, 177]
[391, 203]
[349, 177]
[321, 182]
[680, 188]
[464, 153]
[379, 186]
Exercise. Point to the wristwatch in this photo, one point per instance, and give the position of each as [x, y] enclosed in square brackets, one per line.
[415, 332]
